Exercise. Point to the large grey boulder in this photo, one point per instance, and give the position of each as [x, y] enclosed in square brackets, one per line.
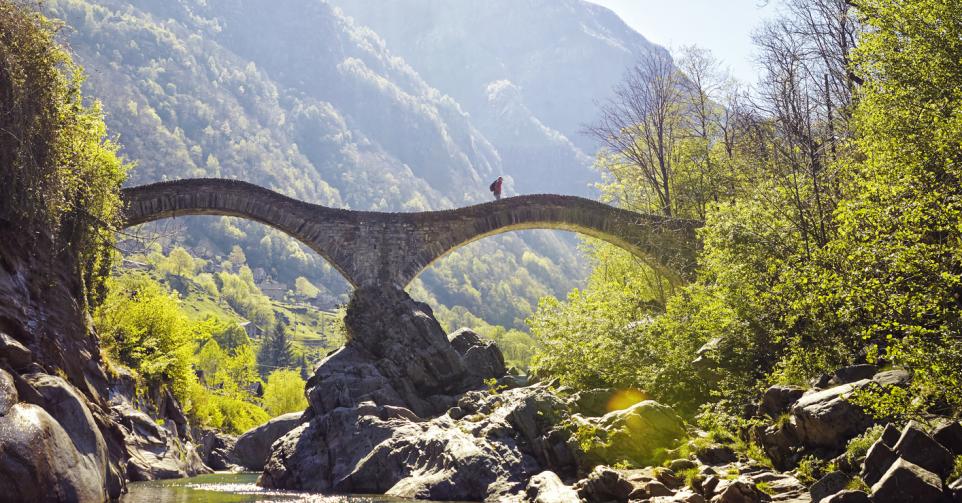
[916, 446]
[950, 436]
[636, 434]
[827, 419]
[39, 461]
[16, 354]
[828, 485]
[907, 482]
[481, 356]
[776, 400]
[605, 484]
[878, 459]
[254, 447]
[547, 487]
[62, 401]
[385, 449]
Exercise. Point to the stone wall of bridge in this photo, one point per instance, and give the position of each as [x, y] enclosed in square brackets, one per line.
[375, 248]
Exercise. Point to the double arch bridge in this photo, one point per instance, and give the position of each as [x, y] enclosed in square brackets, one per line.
[390, 249]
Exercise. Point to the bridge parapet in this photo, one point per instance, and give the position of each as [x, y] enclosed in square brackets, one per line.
[374, 248]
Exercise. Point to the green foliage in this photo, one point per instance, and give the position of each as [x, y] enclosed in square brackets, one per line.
[819, 254]
[284, 392]
[141, 325]
[61, 172]
[276, 350]
[305, 288]
[810, 469]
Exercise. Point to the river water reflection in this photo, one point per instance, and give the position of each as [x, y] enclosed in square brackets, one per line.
[230, 488]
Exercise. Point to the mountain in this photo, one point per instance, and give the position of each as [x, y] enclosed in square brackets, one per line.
[300, 98]
[530, 72]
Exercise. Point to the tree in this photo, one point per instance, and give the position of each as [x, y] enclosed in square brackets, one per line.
[284, 392]
[179, 263]
[894, 274]
[305, 288]
[640, 129]
[237, 257]
[276, 351]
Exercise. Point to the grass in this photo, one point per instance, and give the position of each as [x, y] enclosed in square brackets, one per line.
[859, 446]
[766, 488]
[857, 484]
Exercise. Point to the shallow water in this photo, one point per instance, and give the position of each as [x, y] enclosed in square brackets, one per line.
[230, 488]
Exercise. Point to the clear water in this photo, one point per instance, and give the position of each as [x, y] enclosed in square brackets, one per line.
[231, 488]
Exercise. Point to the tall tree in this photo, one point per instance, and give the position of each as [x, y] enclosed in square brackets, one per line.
[276, 350]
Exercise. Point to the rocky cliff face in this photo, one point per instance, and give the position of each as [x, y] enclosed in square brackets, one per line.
[57, 439]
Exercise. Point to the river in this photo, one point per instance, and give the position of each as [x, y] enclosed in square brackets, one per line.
[231, 488]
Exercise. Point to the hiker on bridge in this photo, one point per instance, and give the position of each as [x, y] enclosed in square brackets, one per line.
[495, 188]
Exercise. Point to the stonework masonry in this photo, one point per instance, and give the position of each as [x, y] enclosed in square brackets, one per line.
[375, 249]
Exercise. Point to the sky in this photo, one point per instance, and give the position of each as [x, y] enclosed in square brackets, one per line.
[723, 26]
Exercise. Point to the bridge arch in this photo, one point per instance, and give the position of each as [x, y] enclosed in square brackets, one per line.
[371, 248]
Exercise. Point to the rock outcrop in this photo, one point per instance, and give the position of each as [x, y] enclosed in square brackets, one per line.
[57, 439]
[252, 449]
[403, 409]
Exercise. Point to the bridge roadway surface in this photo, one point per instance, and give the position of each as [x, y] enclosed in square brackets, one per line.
[373, 248]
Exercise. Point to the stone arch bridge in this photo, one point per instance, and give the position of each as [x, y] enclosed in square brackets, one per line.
[380, 249]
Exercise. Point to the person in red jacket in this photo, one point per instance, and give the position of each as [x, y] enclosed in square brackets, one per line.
[495, 188]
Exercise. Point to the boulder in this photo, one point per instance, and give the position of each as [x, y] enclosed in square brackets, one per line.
[636, 434]
[481, 356]
[254, 447]
[68, 407]
[776, 400]
[917, 447]
[716, 454]
[216, 449]
[827, 419]
[488, 454]
[740, 491]
[16, 354]
[546, 487]
[950, 436]
[678, 465]
[847, 496]
[878, 459]
[592, 402]
[852, 373]
[604, 484]
[904, 482]
[39, 461]
[828, 485]
[780, 443]
[894, 377]
[8, 392]
[155, 453]
[890, 435]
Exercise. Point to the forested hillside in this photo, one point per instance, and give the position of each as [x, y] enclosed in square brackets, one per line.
[530, 73]
[301, 99]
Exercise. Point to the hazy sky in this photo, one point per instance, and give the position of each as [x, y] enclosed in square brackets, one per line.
[724, 26]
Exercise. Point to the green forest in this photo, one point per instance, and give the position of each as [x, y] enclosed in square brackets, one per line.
[831, 200]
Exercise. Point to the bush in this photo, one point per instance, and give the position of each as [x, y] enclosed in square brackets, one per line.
[141, 325]
[284, 392]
